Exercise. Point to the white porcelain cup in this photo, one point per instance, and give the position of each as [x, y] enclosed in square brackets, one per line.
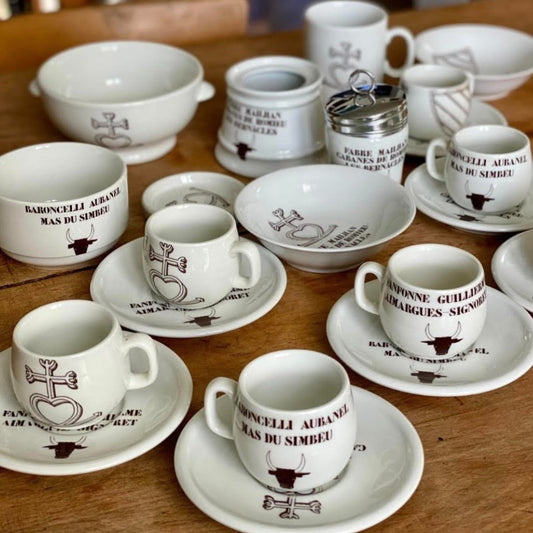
[438, 99]
[431, 299]
[70, 364]
[293, 419]
[61, 203]
[192, 255]
[342, 36]
[487, 168]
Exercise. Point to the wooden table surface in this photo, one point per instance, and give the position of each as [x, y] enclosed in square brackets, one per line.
[478, 448]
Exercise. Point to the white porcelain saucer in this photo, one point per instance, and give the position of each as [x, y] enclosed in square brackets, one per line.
[253, 168]
[480, 113]
[432, 199]
[192, 187]
[512, 268]
[383, 473]
[502, 354]
[147, 417]
[119, 284]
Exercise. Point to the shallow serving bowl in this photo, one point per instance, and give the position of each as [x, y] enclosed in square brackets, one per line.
[500, 58]
[324, 218]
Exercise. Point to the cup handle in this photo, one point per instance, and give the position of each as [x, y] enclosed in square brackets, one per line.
[362, 299]
[407, 36]
[207, 91]
[251, 252]
[214, 422]
[431, 158]
[145, 343]
[471, 82]
[33, 87]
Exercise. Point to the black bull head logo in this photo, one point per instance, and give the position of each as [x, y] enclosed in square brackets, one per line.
[442, 344]
[478, 200]
[63, 449]
[286, 476]
[80, 246]
[243, 148]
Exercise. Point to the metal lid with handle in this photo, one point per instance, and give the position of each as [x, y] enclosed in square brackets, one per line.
[372, 109]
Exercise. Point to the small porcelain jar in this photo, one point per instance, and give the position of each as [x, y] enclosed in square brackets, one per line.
[273, 115]
[367, 127]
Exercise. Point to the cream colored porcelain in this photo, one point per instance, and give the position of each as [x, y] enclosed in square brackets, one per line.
[500, 58]
[130, 96]
[61, 203]
[324, 218]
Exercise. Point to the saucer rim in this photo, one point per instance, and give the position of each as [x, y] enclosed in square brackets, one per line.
[275, 295]
[195, 494]
[355, 362]
[484, 228]
[138, 447]
[169, 183]
[501, 279]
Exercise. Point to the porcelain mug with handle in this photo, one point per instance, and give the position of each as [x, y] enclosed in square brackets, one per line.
[192, 255]
[345, 35]
[70, 364]
[431, 299]
[293, 419]
[487, 168]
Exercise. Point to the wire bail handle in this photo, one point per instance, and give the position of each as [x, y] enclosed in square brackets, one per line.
[363, 92]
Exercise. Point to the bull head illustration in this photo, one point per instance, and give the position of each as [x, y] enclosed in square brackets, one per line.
[442, 344]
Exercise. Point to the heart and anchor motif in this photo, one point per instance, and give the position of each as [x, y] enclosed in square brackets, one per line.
[111, 139]
[57, 410]
[306, 234]
[168, 285]
[344, 60]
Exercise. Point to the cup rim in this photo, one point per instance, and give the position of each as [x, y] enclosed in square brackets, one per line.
[314, 11]
[469, 130]
[279, 354]
[32, 315]
[215, 210]
[50, 91]
[413, 249]
[406, 78]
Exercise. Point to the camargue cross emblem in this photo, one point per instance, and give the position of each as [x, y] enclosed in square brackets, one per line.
[290, 505]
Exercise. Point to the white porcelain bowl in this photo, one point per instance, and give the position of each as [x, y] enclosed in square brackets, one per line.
[61, 203]
[500, 58]
[324, 218]
[130, 96]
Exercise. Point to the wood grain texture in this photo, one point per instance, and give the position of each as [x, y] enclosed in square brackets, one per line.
[478, 449]
[176, 22]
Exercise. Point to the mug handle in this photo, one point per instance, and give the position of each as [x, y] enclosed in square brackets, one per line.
[214, 422]
[431, 157]
[250, 251]
[33, 87]
[362, 299]
[207, 91]
[145, 343]
[407, 36]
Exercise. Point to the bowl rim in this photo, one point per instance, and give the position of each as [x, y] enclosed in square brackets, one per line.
[58, 145]
[50, 92]
[258, 182]
[478, 27]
